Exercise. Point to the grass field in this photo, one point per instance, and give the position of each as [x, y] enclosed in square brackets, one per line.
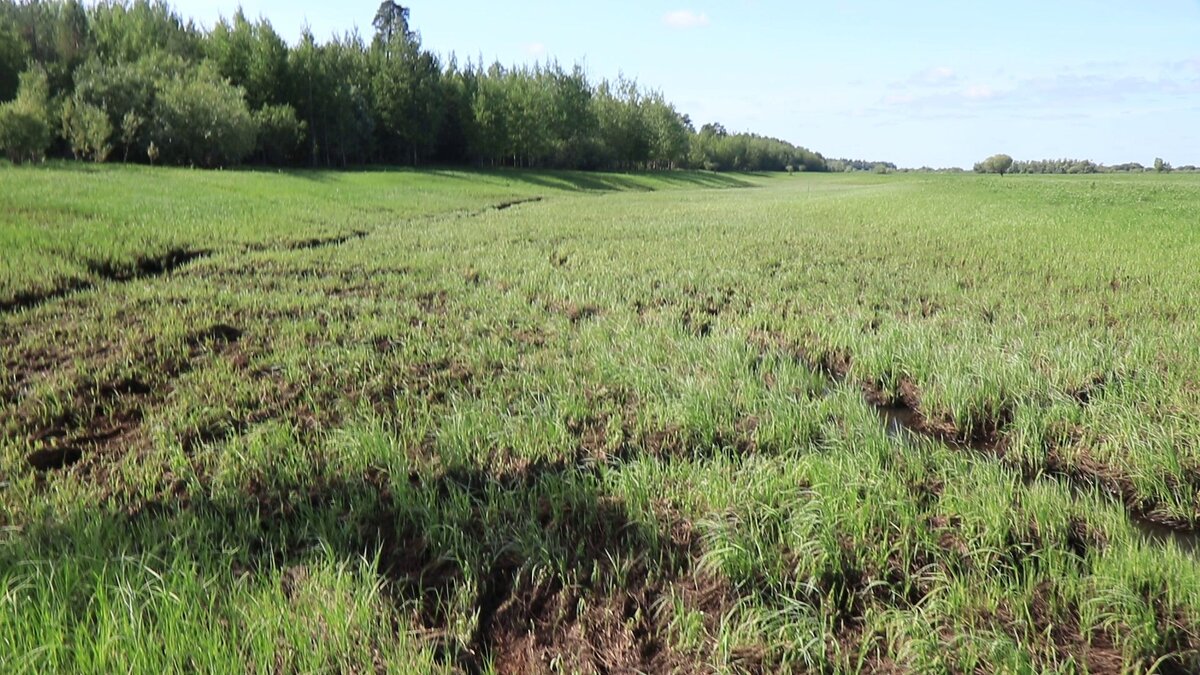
[520, 422]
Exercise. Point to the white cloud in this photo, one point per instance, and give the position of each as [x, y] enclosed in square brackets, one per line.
[685, 18]
[939, 74]
[535, 49]
[979, 92]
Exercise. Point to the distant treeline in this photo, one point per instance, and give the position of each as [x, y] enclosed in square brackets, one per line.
[138, 82]
[841, 165]
[1081, 166]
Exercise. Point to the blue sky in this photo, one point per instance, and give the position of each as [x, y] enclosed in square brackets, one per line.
[917, 83]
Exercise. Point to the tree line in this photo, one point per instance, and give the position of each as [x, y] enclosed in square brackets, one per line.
[1003, 164]
[135, 81]
[850, 165]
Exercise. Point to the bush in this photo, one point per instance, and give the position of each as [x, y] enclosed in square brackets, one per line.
[25, 130]
[24, 134]
[131, 126]
[279, 133]
[202, 120]
[126, 92]
[87, 130]
[995, 164]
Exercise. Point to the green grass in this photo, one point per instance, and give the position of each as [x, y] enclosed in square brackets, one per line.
[367, 421]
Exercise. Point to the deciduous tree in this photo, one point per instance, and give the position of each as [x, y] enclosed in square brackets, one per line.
[25, 130]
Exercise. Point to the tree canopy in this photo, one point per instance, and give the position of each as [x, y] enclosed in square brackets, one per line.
[995, 164]
[124, 75]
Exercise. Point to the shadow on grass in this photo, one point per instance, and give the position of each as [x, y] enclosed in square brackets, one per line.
[584, 181]
[578, 181]
[549, 566]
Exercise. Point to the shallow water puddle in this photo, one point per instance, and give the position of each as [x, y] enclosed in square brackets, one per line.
[1188, 542]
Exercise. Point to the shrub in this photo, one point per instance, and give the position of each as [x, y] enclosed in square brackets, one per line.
[87, 130]
[279, 133]
[202, 120]
[25, 130]
[995, 164]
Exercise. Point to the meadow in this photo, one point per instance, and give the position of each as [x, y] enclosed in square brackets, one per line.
[509, 422]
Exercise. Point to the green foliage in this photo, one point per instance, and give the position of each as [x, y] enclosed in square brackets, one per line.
[124, 32]
[385, 100]
[251, 56]
[406, 96]
[87, 130]
[848, 165]
[13, 56]
[624, 131]
[715, 149]
[131, 126]
[995, 164]
[279, 133]
[670, 133]
[202, 120]
[127, 91]
[25, 129]
[331, 93]
[56, 36]
[391, 22]
[1056, 166]
[457, 131]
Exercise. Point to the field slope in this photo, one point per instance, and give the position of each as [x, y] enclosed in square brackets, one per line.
[522, 422]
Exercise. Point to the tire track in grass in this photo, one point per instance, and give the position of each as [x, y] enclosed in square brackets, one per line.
[146, 267]
[903, 418]
[98, 429]
[108, 416]
[153, 266]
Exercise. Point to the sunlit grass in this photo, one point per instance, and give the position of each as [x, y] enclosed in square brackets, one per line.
[470, 437]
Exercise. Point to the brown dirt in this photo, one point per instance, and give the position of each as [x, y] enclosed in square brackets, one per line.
[437, 380]
[986, 437]
[104, 420]
[1087, 471]
[1062, 630]
[834, 366]
[328, 241]
[216, 334]
[1085, 394]
[901, 408]
[503, 206]
[534, 337]
[51, 459]
[149, 266]
[140, 268]
[904, 409]
[536, 627]
[579, 623]
[433, 302]
[701, 310]
[577, 313]
[31, 299]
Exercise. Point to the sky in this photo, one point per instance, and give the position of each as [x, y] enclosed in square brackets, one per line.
[919, 83]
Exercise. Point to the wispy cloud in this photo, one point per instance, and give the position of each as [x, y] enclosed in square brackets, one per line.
[1086, 90]
[979, 92]
[685, 18]
[535, 49]
[935, 76]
